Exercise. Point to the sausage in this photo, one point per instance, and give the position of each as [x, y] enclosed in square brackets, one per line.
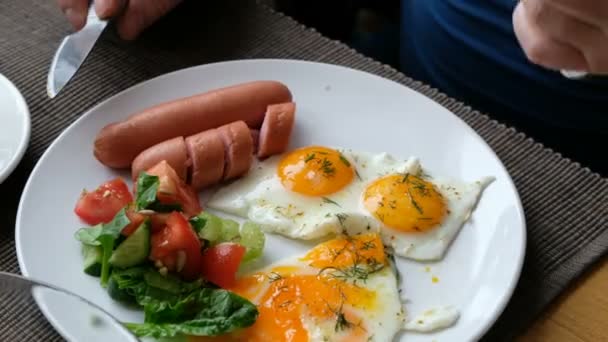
[276, 129]
[238, 149]
[173, 151]
[117, 144]
[206, 150]
[255, 138]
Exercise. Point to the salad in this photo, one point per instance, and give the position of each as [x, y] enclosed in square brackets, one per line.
[158, 250]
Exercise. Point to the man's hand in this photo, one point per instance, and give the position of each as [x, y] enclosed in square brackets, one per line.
[564, 34]
[132, 16]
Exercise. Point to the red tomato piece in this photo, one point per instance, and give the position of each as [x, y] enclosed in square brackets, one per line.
[177, 247]
[173, 190]
[136, 220]
[102, 204]
[221, 262]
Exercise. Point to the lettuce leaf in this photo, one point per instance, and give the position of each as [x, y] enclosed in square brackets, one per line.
[205, 312]
[173, 307]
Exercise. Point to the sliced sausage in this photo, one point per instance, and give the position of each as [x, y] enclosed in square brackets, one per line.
[173, 151]
[117, 144]
[255, 137]
[206, 150]
[276, 129]
[238, 148]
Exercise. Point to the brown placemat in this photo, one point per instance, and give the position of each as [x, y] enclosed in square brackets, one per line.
[566, 205]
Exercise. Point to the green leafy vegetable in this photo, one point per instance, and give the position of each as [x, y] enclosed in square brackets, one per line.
[198, 223]
[147, 187]
[89, 235]
[107, 237]
[205, 312]
[104, 235]
[174, 307]
[145, 198]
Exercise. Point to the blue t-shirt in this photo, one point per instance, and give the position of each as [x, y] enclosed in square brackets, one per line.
[467, 48]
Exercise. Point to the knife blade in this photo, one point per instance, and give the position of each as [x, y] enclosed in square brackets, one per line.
[73, 51]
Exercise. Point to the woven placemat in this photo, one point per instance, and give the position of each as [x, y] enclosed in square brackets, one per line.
[566, 205]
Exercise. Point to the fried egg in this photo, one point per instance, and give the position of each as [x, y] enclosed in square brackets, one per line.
[315, 192]
[341, 290]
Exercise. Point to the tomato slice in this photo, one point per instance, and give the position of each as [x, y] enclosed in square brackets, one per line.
[177, 247]
[102, 204]
[173, 189]
[221, 262]
[136, 220]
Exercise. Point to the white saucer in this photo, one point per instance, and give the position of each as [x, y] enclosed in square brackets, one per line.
[14, 127]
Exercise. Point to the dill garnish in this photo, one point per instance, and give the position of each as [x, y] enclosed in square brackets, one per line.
[344, 160]
[414, 203]
[342, 218]
[285, 303]
[327, 167]
[407, 175]
[424, 218]
[327, 200]
[381, 217]
[309, 157]
[321, 152]
[358, 175]
[367, 245]
[341, 322]
[274, 276]
[392, 204]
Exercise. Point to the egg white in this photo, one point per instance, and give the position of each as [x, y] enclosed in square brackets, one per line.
[433, 320]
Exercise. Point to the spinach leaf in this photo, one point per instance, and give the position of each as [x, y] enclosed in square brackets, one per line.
[205, 312]
[107, 238]
[89, 235]
[147, 186]
[198, 223]
[145, 198]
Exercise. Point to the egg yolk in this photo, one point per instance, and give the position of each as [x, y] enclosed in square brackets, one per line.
[315, 171]
[288, 298]
[406, 203]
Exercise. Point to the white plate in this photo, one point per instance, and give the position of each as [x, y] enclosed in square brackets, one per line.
[336, 106]
[14, 127]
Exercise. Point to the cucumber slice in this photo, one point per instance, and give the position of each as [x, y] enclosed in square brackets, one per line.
[230, 231]
[134, 250]
[212, 229]
[92, 259]
[253, 239]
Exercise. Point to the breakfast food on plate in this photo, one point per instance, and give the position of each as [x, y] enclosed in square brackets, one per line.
[158, 249]
[315, 191]
[341, 290]
[160, 252]
[117, 144]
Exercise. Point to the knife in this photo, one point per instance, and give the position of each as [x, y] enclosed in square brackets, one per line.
[72, 52]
